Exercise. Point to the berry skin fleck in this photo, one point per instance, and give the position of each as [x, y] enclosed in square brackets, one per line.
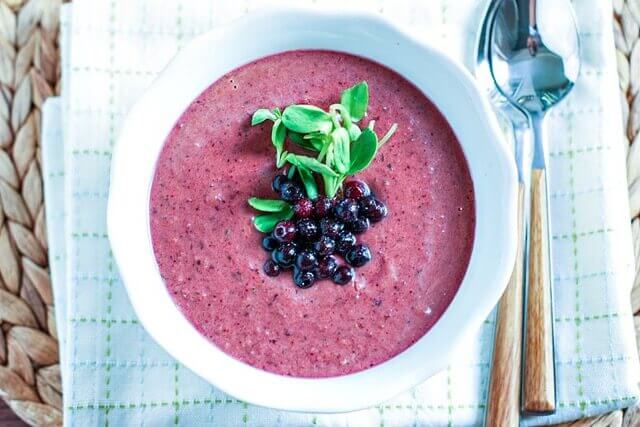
[346, 240]
[360, 225]
[303, 208]
[358, 256]
[326, 267]
[285, 255]
[277, 182]
[343, 275]
[356, 189]
[322, 207]
[346, 210]
[271, 268]
[284, 231]
[330, 227]
[307, 229]
[373, 208]
[304, 279]
[306, 260]
[324, 246]
[269, 243]
[290, 192]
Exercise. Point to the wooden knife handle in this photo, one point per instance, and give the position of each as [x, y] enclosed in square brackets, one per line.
[503, 402]
[539, 394]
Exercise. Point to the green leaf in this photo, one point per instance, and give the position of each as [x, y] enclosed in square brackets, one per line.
[291, 172]
[356, 100]
[280, 161]
[330, 185]
[313, 144]
[307, 119]
[261, 115]
[277, 112]
[266, 223]
[354, 132]
[268, 205]
[309, 182]
[278, 135]
[311, 164]
[342, 155]
[363, 150]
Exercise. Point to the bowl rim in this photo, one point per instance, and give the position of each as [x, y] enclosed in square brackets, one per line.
[145, 129]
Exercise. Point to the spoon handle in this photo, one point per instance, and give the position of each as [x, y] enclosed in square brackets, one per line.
[503, 403]
[539, 395]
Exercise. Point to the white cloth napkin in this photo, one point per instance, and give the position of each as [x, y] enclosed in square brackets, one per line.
[115, 374]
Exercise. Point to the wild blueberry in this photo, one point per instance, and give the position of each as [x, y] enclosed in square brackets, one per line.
[330, 227]
[290, 192]
[346, 240]
[306, 260]
[304, 279]
[358, 256]
[307, 229]
[346, 210]
[360, 225]
[324, 246]
[277, 182]
[343, 275]
[285, 255]
[326, 267]
[269, 243]
[271, 268]
[285, 231]
[373, 208]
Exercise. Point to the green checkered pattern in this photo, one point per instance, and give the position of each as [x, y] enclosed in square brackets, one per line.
[115, 375]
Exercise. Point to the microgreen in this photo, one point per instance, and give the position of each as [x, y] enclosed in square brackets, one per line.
[307, 119]
[363, 150]
[342, 147]
[311, 164]
[278, 135]
[268, 205]
[266, 223]
[277, 211]
[356, 100]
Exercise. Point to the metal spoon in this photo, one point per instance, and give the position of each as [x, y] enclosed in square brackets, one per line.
[503, 397]
[533, 55]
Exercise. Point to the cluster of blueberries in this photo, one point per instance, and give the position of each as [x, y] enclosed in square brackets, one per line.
[320, 230]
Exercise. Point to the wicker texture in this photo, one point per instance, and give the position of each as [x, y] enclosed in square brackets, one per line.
[29, 72]
[626, 35]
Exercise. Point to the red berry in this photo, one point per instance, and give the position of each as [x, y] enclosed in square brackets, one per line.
[322, 206]
[285, 231]
[356, 189]
[303, 208]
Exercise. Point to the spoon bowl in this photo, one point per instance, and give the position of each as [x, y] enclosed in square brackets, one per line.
[534, 66]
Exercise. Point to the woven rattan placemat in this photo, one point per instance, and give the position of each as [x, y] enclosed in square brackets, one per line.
[29, 73]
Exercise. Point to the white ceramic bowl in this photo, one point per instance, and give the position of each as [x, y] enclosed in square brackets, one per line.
[256, 35]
